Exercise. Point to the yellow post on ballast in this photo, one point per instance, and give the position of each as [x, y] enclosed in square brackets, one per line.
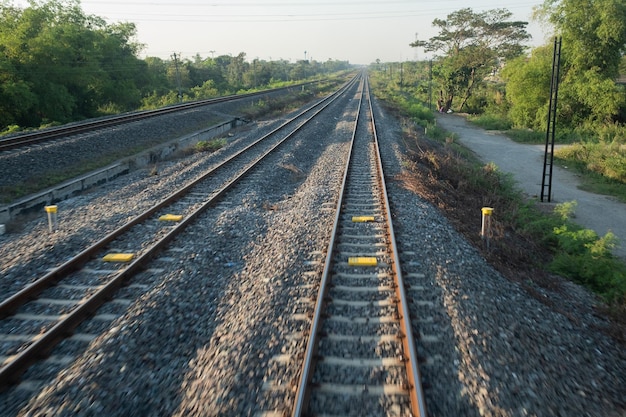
[52, 217]
[485, 230]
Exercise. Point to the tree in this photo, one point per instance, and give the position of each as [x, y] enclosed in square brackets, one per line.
[528, 88]
[16, 95]
[235, 70]
[473, 46]
[594, 42]
[593, 31]
[61, 65]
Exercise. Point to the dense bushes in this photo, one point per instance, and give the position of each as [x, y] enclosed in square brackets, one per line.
[59, 65]
[575, 252]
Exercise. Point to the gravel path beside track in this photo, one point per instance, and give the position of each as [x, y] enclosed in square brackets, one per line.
[525, 162]
[200, 341]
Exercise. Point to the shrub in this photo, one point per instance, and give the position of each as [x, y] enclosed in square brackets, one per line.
[210, 146]
[578, 254]
[607, 159]
[586, 258]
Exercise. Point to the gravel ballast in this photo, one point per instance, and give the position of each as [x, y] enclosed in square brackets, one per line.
[224, 310]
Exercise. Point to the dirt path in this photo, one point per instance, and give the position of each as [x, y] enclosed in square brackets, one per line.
[525, 163]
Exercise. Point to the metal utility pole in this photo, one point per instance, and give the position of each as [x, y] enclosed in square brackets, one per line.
[548, 159]
[178, 81]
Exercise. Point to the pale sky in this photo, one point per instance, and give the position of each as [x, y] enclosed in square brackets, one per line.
[359, 31]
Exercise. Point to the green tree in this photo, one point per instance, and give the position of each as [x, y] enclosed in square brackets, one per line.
[206, 90]
[235, 71]
[594, 32]
[473, 46]
[528, 88]
[16, 96]
[61, 65]
[122, 74]
[594, 42]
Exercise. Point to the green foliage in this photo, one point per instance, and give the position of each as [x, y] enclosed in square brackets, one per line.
[472, 45]
[11, 129]
[205, 91]
[58, 64]
[587, 259]
[528, 88]
[210, 145]
[594, 36]
[594, 32]
[578, 253]
[588, 98]
[607, 159]
[404, 100]
[156, 100]
[415, 110]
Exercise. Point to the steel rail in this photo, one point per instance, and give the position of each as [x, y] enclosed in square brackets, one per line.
[26, 139]
[10, 304]
[10, 372]
[417, 402]
[302, 393]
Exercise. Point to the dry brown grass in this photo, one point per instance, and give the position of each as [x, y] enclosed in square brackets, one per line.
[440, 175]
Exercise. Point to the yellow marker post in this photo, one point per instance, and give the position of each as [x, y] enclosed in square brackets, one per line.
[171, 218]
[362, 219]
[52, 217]
[118, 257]
[485, 231]
[362, 261]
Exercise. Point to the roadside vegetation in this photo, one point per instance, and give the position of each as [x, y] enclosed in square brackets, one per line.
[482, 69]
[210, 146]
[59, 65]
[530, 244]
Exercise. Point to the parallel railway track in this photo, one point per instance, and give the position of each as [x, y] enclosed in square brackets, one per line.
[56, 303]
[360, 358]
[32, 138]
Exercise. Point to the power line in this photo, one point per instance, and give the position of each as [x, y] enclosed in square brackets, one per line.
[258, 18]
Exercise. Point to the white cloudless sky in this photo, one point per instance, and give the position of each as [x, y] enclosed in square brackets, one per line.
[359, 31]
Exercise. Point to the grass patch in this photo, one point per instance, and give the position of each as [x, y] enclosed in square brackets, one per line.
[602, 165]
[269, 107]
[490, 122]
[210, 145]
[578, 253]
[592, 181]
[526, 136]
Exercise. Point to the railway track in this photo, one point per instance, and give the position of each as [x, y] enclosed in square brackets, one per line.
[45, 312]
[360, 357]
[28, 139]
